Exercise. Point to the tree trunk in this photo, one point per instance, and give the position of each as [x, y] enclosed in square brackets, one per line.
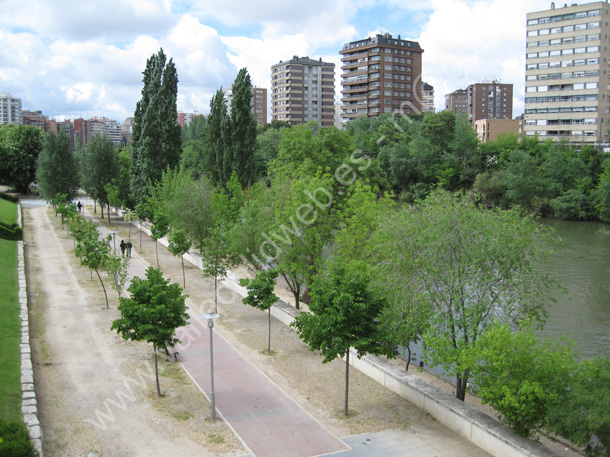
[462, 385]
[269, 338]
[103, 287]
[346, 380]
[156, 369]
[216, 294]
[140, 236]
[157, 252]
[408, 358]
[102, 208]
[183, 273]
[129, 239]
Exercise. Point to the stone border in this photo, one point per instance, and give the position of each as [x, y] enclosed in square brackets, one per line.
[29, 406]
[473, 425]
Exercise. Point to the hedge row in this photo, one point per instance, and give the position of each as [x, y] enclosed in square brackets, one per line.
[15, 440]
[10, 198]
[11, 232]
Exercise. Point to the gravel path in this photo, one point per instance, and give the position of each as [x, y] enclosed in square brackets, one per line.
[80, 366]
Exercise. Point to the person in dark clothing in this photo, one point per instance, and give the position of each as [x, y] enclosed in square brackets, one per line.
[79, 206]
[123, 246]
[129, 246]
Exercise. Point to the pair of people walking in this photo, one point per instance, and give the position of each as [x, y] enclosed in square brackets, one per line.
[126, 247]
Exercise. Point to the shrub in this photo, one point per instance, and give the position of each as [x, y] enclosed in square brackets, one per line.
[10, 198]
[11, 232]
[15, 441]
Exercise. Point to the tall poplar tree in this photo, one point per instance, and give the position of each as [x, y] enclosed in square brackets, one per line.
[156, 133]
[215, 137]
[240, 154]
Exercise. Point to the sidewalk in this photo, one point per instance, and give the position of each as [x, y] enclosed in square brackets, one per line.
[269, 422]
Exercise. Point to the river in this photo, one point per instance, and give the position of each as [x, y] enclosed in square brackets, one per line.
[582, 265]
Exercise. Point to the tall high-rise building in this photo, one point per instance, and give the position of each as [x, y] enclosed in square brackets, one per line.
[10, 109]
[489, 100]
[457, 101]
[258, 103]
[427, 98]
[567, 94]
[303, 89]
[380, 75]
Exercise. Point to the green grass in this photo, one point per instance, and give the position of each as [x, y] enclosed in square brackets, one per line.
[10, 324]
[8, 212]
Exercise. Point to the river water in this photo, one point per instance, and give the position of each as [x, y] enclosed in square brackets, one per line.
[582, 265]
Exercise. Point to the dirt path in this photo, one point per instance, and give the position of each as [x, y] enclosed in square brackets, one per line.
[80, 366]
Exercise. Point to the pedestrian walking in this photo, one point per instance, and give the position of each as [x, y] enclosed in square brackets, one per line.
[79, 206]
[123, 246]
[129, 246]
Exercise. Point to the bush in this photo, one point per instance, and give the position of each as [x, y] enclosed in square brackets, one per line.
[15, 440]
[10, 198]
[11, 232]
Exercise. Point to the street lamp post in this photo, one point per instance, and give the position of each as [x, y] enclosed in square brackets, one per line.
[210, 316]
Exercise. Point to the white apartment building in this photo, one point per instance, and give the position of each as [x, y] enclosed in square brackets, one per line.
[567, 85]
[10, 109]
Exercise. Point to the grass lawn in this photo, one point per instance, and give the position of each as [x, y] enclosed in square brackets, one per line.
[10, 324]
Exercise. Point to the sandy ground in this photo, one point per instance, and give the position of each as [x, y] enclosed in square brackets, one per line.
[80, 365]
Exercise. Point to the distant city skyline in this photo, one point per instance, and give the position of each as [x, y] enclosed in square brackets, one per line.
[87, 60]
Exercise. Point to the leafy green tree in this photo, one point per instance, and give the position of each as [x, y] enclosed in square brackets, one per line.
[129, 216]
[179, 244]
[260, 294]
[94, 253]
[268, 145]
[158, 229]
[571, 205]
[100, 165]
[601, 194]
[523, 181]
[345, 314]
[519, 375]
[581, 413]
[114, 199]
[116, 266]
[439, 129]
[195, 130]
[152, 312]
[156, 137]
[302, 151]
[470, 267]
[20, 146]
[239, 157]
[216, 138]
[56, 170]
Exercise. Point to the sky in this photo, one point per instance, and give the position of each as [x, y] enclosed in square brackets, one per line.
[84, 59]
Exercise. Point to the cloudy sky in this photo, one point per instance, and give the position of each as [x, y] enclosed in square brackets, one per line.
[72, 59]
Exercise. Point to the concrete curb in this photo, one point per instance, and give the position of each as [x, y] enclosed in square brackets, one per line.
[478, 428]
[29, 407]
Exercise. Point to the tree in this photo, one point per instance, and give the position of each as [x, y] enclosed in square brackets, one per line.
[345, 314]
[20, 146]
[114, 199]
[179, 244]
[100, 166]
[581, 413]
[520, 376]
[239, 157]
[56, 171]
[260, 294]
[152, 312]
[216, 138]
[129, 216]
[469, 266]
[158, 229]
[117, 269]
[94, 253]
[156, 137]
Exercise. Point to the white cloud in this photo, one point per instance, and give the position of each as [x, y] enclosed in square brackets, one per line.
[468, 42]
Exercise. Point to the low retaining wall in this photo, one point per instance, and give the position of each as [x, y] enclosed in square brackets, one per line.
[481, 430]
[29, 406]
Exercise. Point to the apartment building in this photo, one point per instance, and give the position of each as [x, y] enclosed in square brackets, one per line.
[489, 100]
[84, 130]
[303, 89]
[381, 74]
[258, 103]
[457, 101]
[10, 109]
[427, 98]
[567, 88]
[489, 129]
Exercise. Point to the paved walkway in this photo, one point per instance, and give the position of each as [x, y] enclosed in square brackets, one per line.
[267, 421]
